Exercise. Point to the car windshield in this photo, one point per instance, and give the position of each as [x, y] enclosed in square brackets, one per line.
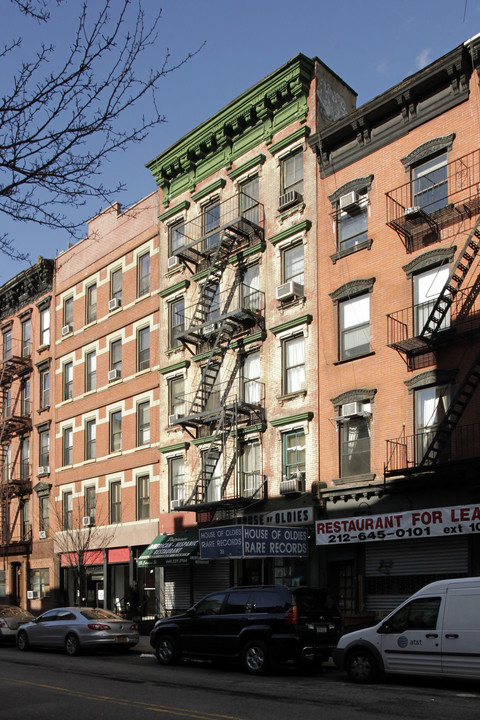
[99, 614]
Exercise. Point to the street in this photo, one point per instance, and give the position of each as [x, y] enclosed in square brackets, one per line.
[111, 686]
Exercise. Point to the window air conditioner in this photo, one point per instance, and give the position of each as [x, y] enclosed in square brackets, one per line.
[43, 470]
[289, 198]
[412, 211]
[175, 504]
[67, 329]
[173, 419]
[353, 408]
[209, 329]
[42, 535]
[289, 290]
[293, 484]
[113, 304]
[348, 201]
[33, 594]
[114, 375]
[87, 521]
[173, 261]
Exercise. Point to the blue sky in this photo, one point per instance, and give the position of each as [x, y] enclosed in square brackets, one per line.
[370, 44]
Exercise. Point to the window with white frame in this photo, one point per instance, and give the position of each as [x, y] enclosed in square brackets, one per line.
[354, 320]
[45, 327]
[293, 264]
[430, 183]
[176, 236]
[427, 286]
[26, 337]
[251, 378]
[251, 477]
[7, 344]
[90, 371]
[116, 285]
[39, 582]
[67, 510]
[90, 502]
[352, 222]
[115, 431]
[68, 313]
[115, 514]
[90, 439]
[143, 349]
[44, 377]
[143, 274]
[249, 196]
[176, 396]
[68, 380]
[251, 296]
[143, 423]
[431, 405]
[143, 497]
[291, 173]
[91, 303]
[211, 224]
[293, 454]
[176, 468]
[176, 320]
[44, 447]
[67, 449]
[293, 349]
[354, 435]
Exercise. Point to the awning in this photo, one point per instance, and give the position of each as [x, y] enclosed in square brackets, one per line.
[173, 549]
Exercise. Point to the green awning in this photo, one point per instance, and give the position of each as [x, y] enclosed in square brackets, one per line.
[173, 549]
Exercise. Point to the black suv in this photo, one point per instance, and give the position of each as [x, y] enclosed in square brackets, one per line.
[260, 626]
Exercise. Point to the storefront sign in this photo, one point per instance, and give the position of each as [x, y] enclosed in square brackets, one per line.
[247, 541]
[292, 516]
[432, 522]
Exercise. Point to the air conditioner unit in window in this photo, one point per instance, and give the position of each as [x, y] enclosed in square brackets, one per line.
[175, 504]
[289, 198]
[42, 535]
[353, 408]
[66, 329]
[289, 290]
[114, 303]
[173, 261]
[87, 521]
[293, 484]
[32, 594]
[348, 201]
[413, 211]
[114, 375]
[44, 470]
[209, 329]
[173, 419]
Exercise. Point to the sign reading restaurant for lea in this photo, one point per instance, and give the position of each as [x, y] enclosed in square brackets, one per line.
[431, 522]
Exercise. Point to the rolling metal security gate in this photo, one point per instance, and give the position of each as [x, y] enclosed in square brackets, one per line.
[186, 584]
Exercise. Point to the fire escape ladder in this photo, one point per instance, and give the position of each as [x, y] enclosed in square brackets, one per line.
[453, 414]
[454, 282]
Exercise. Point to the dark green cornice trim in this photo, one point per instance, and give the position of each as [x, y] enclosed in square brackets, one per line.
[217, 185]
[246, 166]
[181, 207]
[241, 342]
[301, 417]
[304, 320]
[182, 285]
[303, 132]
[202, 441]
[174, 448]
[176, 366]
[298, 228]
[205, 355]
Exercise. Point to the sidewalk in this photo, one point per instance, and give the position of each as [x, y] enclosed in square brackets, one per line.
[143, 646]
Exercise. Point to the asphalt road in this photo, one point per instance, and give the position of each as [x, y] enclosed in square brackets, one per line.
[108, 686]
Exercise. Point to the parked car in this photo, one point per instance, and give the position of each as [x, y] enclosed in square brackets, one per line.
[258, 626]
[76, 629]
[435, 632]
[11, 617]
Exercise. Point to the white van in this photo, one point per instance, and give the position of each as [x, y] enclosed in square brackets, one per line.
[435, 632]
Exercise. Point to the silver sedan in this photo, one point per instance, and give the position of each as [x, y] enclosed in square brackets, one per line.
[76, 629]
[11, 617]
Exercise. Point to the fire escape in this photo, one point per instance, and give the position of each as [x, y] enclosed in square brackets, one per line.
[226, 313]
[454, 313]
[15, 478]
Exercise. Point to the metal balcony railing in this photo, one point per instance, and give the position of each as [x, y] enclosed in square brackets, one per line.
[405, 454]
[246, 396]
[242, 489]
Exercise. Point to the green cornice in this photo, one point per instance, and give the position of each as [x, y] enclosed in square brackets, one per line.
[182, 285]
[217, 185]
[301, 417]
[289, 140]
[202, 441]
[174, 448]
[246, 166]
[241, 342]
[298, 228]
[205, 355]
[181, 207]
[252, 118]
[304, 320]
[176, 366]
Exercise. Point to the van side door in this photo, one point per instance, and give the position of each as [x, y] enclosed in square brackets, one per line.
[411, 637]
[461, 632]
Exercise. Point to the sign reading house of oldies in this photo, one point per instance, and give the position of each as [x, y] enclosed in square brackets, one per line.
[431, 522]
[242, 541]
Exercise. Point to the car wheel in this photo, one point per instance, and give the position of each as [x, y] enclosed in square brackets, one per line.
[72, 645]
[255, 658]
[167, 650]
[361, 667]
[22, 641]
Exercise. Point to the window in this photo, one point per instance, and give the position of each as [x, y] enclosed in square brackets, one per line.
[44, 448]
[292, 264]
[25, 398]
[26, 526]
[292, 173]
[430, 183]
[143, 274]
[143, 349]
[45, 327]
[116, 285]
[143, 497]
[40, 583]
[354, 320]
[176, 311]
[212, 474]
[251, 378]
[211, 224]
[293, 451]
[26, 337]
[91, 304]
[249, 194]
[90, 502]
[90, 371]
[7, 411]
[115, 431]
[67, 437]
[44, 513]
[115, 501]
[251, 465]
[176, 396]
[176, 236]
[44, 388]
[116, 356]
[25, 458]
[67, 511]
[421, 614]
[251, 298]
[143, 423]
[352, 224]
[431, 405]
[7, 344]
[68, 380]
[355, 442]
[68, 312]
[427, 286]
[294, 365]
[177, 480]
[90, 440]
